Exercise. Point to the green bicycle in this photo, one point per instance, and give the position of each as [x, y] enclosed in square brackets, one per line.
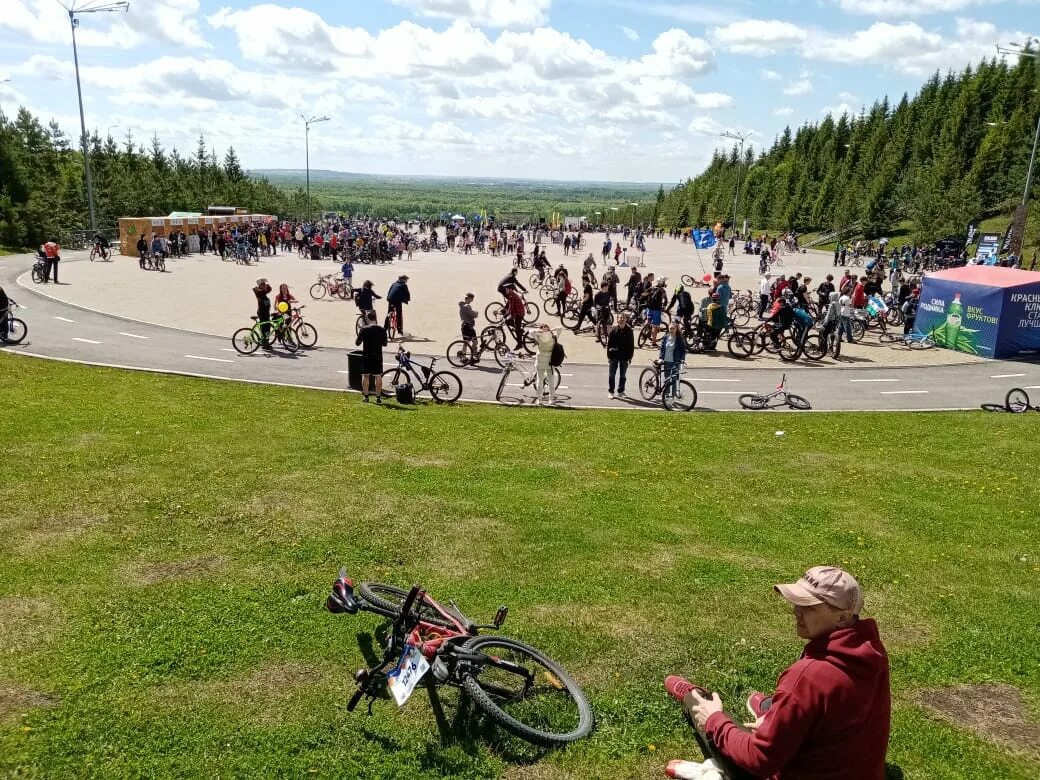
[246, 341]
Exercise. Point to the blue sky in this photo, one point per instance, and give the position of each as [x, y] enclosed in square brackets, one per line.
[625, 90]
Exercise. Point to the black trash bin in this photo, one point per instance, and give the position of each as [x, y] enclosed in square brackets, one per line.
[354, 358]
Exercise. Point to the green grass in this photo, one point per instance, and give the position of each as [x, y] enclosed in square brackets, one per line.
[167, 545]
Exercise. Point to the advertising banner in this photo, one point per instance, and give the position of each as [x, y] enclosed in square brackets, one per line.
[1020, 322]
[960, 316]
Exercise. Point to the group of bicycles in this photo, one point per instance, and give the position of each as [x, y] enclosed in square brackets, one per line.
[287, 329]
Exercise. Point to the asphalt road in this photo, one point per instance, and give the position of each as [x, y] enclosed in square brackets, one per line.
[66, 332]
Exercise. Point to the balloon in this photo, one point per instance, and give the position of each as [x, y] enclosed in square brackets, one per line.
[707, 277]
[283, 307]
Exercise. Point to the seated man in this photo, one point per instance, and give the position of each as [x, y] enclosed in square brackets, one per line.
[829, 716]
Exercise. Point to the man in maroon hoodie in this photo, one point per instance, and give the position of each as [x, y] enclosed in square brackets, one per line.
[829, 716]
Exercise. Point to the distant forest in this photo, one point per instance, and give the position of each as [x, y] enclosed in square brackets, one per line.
[956, 152]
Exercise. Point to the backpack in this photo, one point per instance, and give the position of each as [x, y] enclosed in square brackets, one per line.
[558, 354]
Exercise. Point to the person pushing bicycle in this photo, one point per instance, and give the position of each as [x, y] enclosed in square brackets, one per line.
[468, 318]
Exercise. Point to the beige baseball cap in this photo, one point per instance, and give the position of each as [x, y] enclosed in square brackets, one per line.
[824, 585]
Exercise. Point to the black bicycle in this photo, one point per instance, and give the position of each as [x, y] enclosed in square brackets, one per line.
[444, 386]
[12, 329]
[516, 686]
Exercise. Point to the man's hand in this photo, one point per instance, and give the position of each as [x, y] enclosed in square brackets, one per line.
[700, 708]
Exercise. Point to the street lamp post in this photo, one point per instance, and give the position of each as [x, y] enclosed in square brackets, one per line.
[74, 11]
[307, 150]
[736, 195]
[1023, 51]
[634, 207]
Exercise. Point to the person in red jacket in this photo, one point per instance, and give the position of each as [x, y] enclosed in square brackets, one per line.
[829, 717]
[859, 294]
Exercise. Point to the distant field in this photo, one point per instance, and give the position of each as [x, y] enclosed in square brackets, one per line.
[400, 196]
[166, 545]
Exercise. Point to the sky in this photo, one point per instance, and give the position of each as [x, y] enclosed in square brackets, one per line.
[604, 90]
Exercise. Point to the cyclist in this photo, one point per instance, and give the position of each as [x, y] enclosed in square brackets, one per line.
[515, 314]
[909, 309]
[601, 300]
[142, 250]
[541, 265]
[714, 321]
[284, 296]
[635, 280]
[610, 278]
[656, 298]
[365, 297]
[396, 298]
[683, 302]
[52, 255]
[510, 282]
[801, 322]
[830, 318]
[468, 318]
[671, 355]
[586, 307]
[101, 243]
[588, 277]
[157, 246]
[5, 311]
[563, 290]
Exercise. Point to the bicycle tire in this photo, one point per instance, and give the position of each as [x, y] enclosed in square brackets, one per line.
[740, 317]
[994, 408]
[318, 291]
[890, 338]
[246, 341]
[531, 313]
[345, 292]
[288, 340]
[501, 353]
[687, 280]
[160, 265]
[535, 281]
[387, 600]
[445, 387]
[37, 275]
[359, 324]
[93, 254]
[752, 401]
[459, 354]
[495, 312]
[649, 385]
[684, 400]
[1017, 400]
[790, 350]
[306, 335]
[858, 329]
[16, 331]
[558, 679]
[798, 402]
[815, 348]
[506, 371]
[392, 378]
[644, 336]
[925, 342]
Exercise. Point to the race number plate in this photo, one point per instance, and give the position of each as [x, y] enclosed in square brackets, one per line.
[406, 675]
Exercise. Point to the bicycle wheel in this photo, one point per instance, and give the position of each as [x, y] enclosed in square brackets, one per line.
[495, 312]
[790, 349]
[738, 346]
[753, 401]
[501, 353]
[994, 407]
[445, 387]
[740, 317]
[459, 354]
[683, 397]
[797, 402]
[393, 377]
[1017, 400]
[37, 275]
[890, 337]
[16, 331]
[649, 385]
[506, 371]
[525, 692]
[160, 265]
[359, 324]
[569, 318]
[387, 600]
[306, 334]
[644, 335]
[246, 341]
[858, 329]
[93, 254]
[530, 313]
[925, 342]
[345, 291]
[288, 339]
[815, 348]
[687, 280]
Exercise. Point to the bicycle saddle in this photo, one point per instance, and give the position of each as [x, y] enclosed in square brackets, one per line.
[342, 598]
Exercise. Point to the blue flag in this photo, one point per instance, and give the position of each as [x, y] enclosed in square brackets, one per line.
[703, 239]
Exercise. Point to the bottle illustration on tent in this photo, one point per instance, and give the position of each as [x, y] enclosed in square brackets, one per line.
[951, 333]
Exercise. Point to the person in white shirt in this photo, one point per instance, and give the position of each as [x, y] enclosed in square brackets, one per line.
[765, 285]
[846, 318]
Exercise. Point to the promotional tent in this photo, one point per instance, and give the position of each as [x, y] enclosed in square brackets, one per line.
[982, 310]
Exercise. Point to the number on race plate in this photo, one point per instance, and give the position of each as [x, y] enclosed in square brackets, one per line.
[406, 675]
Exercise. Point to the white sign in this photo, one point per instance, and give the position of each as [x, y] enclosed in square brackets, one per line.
[176, 221]
[193, 221]
[409, 670]
[158, 223]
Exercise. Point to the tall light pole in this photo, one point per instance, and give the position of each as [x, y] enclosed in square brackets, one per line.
[634, 207]
[74, 10]
[1024, 51]
[307, 147]
[740, 161]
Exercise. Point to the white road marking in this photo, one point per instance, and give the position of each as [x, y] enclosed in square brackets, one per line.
[228, 349]
[132, 335]
[702, 379]
[873, 380]
[341, 372]
[85, 341]
[1032, 387]
[215, 360]
[719, 392]
[903, 392]
[64, 319]
[1005, 376]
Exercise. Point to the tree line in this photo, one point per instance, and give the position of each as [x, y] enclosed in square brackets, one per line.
[43, 193]
[957, 151]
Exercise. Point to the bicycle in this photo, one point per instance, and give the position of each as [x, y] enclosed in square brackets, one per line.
[330, 285]
[1017, 401]
[492, 339]
[515, 685]
[100, 250]
[444, 386]
[154, 262]
[775, 399]
[39, 271]
[909, 340]
[246, 341]
[514, 364]
[675, 393]
[12, 330]
[496, 312]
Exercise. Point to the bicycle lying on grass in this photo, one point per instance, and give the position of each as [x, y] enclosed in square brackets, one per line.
[777, 398]
[517, 686]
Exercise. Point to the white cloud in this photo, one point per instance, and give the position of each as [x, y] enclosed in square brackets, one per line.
[848, 97]
[890, 8]
[677, 53]
[484, 13]
[709, 100]
[758, 37]
[783, 111]
[802, 86]
[770, 75]
[838, 110]
[628, 32]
